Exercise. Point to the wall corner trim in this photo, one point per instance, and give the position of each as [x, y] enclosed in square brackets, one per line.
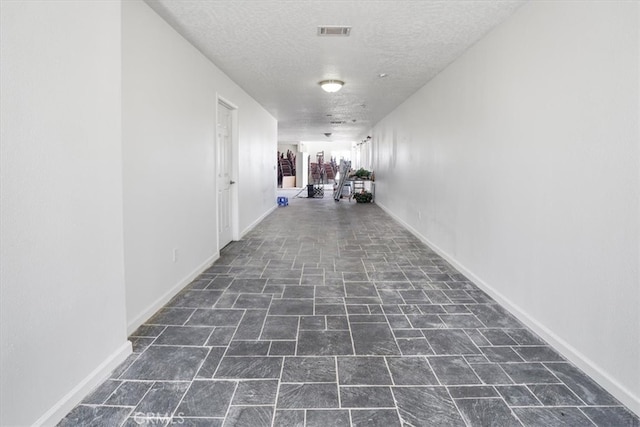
[257, 221]
[164, 299]
[620, 392]
[80, 391]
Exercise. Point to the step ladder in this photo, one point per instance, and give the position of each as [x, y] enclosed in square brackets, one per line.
[345, 165]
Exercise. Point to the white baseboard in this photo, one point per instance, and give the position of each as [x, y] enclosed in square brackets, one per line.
[75, 396]
[164, 299]
[257, 221]
[609, 383]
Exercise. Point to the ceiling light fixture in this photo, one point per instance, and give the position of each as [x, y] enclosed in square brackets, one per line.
[331, 85]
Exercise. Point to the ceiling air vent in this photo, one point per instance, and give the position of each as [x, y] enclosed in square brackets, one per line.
[334, 30]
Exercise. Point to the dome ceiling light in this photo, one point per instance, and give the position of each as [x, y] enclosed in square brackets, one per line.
[331, 85]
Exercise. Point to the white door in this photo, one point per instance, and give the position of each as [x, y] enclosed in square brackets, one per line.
[224, 138]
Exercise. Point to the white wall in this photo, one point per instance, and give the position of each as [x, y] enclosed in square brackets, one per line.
[257, 171]
[62, 307]
[520, 163]
[169, 109]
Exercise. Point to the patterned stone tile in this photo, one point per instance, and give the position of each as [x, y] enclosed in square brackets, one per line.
[411, 371]
[249, 367]
[195, 299]
[551, 417]
[292, 307]
[249, 416]
[167, 363]
[373, 338]
[323, 317]
[215, 317]
[517, 395]
[375, 418]
[282, 348]
[328, 418]
[171, 316]
[207, 399]
[453, 370]
[289, 418]
[324, 343]
[491, 373]
[363, 371]
[529, 373]
[611, 416]
[184, 335]
[296, 396]
[280, 327]
[366, 397]
[256, 392]
[162, 398]
[251, 325]
[538, 354]
[309, 370]
[248, 348]
[95, 416]
[483, 412]
[555, 395]
[583, 386]
[129, 393]
[450, 341]
[417, 404]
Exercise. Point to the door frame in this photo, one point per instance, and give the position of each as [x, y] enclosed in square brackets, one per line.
[235, 234]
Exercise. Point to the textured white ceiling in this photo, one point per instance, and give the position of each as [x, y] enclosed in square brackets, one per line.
[271, 49]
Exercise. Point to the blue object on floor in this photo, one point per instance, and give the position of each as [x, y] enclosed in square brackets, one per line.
[283, 201]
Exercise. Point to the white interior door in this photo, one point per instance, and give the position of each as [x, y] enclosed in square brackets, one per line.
[224, 141]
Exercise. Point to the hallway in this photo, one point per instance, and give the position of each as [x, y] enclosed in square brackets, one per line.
[332, 314]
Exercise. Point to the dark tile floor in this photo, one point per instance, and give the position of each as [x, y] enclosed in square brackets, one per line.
[332, 314]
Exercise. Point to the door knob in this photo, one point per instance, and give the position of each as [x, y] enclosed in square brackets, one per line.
[231, 182]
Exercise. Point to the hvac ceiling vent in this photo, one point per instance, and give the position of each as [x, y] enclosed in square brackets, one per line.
[337, 122]
[334, 30]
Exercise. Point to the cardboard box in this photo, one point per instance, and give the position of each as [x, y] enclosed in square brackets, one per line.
[288, 182]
